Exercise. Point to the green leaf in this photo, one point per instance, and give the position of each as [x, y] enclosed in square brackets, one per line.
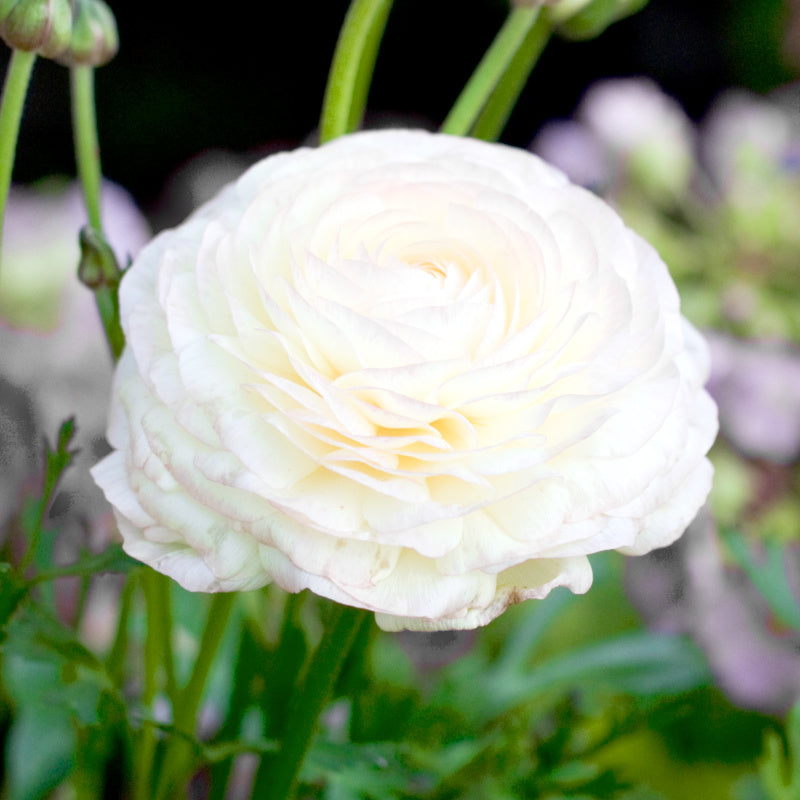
[34, 635]
[45, 665]
[40, 751]
[780, 770]
[358, 771]
[768, 577]
[33, 516]
[640, 663]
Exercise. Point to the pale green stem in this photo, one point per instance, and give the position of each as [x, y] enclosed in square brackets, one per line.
[115, 661]
[159, 626]
[493, 65]
[87, 148]
[352, 66]
[146, 747]
[87, 157]
[189, 699]
[15, 88]
[310, 697]
[498, 108]
[178, 758]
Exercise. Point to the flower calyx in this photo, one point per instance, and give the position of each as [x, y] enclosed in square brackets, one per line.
[40, 26]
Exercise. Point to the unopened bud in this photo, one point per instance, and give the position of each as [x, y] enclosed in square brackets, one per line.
[586, 19]
[40, 26]
[94, 39]
[98, 265]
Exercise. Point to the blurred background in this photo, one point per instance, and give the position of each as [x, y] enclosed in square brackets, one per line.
[702, 157]
[235, 77]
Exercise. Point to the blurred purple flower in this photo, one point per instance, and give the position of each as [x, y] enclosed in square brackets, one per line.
[685, 588]
[757, 389]
[624, 128]
[574, 150]
[745, 131]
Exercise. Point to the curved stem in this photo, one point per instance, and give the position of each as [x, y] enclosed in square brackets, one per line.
[498, 108]
[493, 65]
[15, 88]
[311, 695]
[351, 69]
[87, 148]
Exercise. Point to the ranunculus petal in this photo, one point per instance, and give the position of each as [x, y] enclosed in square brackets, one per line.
[414, 373]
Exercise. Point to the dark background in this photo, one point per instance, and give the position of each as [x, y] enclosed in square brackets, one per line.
[240, 77]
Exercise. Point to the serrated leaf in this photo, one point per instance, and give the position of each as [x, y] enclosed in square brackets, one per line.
[58, 459]
[35, 635]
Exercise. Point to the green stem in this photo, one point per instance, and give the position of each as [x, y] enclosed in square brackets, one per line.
[189, 699]
[15, 88]
[145, 748]
[493, 65]
[115, 661]
[352, 66]
[87, 148]
[310, 697]
[159, 626]
[498, 108]
[93, 244]
[178, 758]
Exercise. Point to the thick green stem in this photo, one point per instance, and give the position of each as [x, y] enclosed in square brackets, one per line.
[15, 88]
[491, 69]
[352, 66]
[311, 695]
[189, 699]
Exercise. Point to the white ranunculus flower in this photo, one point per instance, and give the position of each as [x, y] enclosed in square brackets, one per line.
[414, 373]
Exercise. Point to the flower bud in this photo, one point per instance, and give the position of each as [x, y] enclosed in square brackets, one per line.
[97, 267]
[41, 26]
[94, 39]
[586, 19]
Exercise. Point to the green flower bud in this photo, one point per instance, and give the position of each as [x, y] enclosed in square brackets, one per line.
[40, 26]
[586, 19]
[94, 35]
[97, 267]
